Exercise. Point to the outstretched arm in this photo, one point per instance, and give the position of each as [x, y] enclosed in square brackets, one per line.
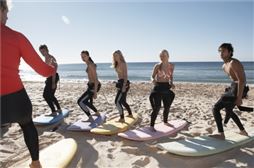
[33, 59]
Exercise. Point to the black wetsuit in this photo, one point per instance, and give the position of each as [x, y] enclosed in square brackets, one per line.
[227, 101]
[49, 93]
[161, 92]
[17, 107]
[87, 99]
[120, 99]
[233, 91]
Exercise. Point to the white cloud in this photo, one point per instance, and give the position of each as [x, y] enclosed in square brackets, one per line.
[66, 20]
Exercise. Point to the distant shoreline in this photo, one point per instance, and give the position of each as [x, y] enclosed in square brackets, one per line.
[136, 82]
[131, 62]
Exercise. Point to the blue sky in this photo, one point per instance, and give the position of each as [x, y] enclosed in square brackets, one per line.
[189, 30]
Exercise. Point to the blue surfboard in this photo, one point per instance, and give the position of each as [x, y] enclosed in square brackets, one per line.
[81, 125]
[48, 120]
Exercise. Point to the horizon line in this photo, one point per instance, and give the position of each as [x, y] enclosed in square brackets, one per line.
[154, 62]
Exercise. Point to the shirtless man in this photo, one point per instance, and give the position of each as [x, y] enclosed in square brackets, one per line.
[233, 96]
[51, 83]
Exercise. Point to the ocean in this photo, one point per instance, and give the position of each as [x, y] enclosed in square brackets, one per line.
[199, 72]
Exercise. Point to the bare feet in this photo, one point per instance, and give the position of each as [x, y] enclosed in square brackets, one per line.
[59, 111]
[152, 129]
[168, 124]
[121, 120]
[243, 132]
[97, 114]
[91, 119]
[220, 136]
[130, 116]
[35, 164]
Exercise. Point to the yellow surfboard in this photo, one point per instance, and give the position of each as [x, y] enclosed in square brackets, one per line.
[114, 126]
[57, 155]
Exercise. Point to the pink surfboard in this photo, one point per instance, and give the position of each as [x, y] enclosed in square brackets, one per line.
[162, 130]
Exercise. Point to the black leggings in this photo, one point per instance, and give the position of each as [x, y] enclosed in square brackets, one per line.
[227, 101]
[160, 93]
[87, 99]
[49, 94]
[17, 108]
[31, 139]
[120, 101]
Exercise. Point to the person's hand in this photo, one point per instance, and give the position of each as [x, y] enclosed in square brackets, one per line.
[238, 101]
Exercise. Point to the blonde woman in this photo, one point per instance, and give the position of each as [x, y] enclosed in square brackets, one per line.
[162, 78]
[122, 85]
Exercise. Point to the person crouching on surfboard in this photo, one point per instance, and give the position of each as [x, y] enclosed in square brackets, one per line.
[162, 78]
[122, 85]
[233, 95]
[51, 83]
[93, 86]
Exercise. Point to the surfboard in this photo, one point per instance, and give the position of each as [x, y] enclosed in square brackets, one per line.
[81, 125]
[57, 155]
[205, 145]
[162, 130]
[48, 120]
[113, 126]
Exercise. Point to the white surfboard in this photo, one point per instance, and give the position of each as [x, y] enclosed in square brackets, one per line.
[87, 125]
[205, 145]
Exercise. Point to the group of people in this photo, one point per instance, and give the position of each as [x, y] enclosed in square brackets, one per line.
[122, 85]
[16, 106]
[162, 78]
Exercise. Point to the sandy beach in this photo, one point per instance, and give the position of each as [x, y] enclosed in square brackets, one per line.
[193, 102]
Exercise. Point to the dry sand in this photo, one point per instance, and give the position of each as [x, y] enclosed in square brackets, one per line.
[193, 102]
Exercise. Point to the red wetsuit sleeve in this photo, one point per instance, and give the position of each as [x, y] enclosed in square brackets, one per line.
[33, 59]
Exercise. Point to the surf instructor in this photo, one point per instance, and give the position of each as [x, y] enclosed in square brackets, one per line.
[16, 106]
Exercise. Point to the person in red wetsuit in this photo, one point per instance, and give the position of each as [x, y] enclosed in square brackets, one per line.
[16, 106]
